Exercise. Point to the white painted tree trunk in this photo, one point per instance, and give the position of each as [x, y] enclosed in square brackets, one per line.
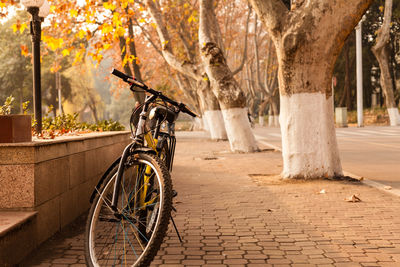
[216, 125]
[261, 120]
[309, 146]
[394, 116]
[381, 50]
[275, 118]
[241, 138]
[270, 120]
[231, 99]
[308, 40]
[198, 124]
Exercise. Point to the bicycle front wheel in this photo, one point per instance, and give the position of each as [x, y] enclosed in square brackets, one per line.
[133, 235]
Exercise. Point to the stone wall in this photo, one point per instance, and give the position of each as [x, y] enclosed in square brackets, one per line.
[55, 177]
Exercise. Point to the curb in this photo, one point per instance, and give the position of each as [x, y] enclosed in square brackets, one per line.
[377, 185]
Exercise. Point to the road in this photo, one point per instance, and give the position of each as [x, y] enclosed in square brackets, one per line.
[371, 152]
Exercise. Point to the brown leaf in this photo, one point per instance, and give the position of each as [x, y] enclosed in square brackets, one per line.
[353, 198]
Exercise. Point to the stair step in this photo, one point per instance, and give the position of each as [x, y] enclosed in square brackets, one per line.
[17, 236]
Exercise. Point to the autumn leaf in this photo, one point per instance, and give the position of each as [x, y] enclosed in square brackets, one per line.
[24, 50]
[55, 67]
[65, 52]
[19, 27]
[81, 34]
[53, 43]
[119, 32]
[109, 6]
[107, 28]
[116, 19]
[73, 13]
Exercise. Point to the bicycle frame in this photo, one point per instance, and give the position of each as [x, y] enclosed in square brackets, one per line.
[138, 144]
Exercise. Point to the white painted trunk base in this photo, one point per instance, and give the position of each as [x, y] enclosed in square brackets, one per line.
[276, 120]
[261, 120]
[215, 124]
[241, 138]
[273, 120]
[270, 121]
[309, 146]
[394, 116]
[198, 124]
[205, 123]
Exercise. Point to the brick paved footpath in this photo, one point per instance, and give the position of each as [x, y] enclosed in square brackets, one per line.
[228, 218]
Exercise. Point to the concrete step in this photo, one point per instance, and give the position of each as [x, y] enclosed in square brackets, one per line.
[17, 236]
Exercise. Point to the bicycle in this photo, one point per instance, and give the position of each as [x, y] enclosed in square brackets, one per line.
[131, 204]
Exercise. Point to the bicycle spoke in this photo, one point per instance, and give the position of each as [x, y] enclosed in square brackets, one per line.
[126, 237]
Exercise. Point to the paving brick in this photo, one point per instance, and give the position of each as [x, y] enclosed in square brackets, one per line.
[228, 219]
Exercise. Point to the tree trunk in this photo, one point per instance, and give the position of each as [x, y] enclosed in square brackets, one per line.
[261, 111]
[135, 66]
[308, 40]
[231, 99]
[212, 119]
[138, 96]
[212, 115]
[381, 51]
[346, 89]
[275, 112]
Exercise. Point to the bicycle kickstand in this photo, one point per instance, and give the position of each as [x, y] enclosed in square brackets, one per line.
[176, 229]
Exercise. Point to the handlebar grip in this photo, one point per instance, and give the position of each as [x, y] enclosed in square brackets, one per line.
[121, 75]
[128, 79]
[185, 109]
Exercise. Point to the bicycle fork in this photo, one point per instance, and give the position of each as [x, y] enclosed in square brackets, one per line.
[120, 172]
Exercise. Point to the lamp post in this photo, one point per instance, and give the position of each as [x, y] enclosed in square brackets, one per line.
[360, 117]
[38, 14]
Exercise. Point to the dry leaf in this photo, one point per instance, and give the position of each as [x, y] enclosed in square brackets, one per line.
[353, 198]
[323, 191]
[388, 187]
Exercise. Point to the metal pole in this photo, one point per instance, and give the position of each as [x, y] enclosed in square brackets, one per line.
[360, 119]
[36, 36]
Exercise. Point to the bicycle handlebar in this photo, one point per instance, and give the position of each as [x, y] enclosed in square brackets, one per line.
[133, 82]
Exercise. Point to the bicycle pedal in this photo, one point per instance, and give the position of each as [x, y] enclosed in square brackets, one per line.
[174, 193]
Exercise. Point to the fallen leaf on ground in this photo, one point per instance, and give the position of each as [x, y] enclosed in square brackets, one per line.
[388, 187]
[353, 198]
[323, 191]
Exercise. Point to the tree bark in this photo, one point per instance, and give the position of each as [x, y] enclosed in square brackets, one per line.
[346, 89]
[212, 115]
[208, 101]
[231, 99]
[139, 96]
[381, 51]
[308, 40]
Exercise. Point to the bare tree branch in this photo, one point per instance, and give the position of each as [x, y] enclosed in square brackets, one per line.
[273, 12]
[184, 68]
[244, 56]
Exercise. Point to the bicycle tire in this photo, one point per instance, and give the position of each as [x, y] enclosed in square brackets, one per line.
[104, 229]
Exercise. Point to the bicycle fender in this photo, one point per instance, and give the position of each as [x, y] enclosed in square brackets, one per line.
[112, 166]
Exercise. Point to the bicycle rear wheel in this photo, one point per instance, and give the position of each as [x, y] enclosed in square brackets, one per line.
[133, 235]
